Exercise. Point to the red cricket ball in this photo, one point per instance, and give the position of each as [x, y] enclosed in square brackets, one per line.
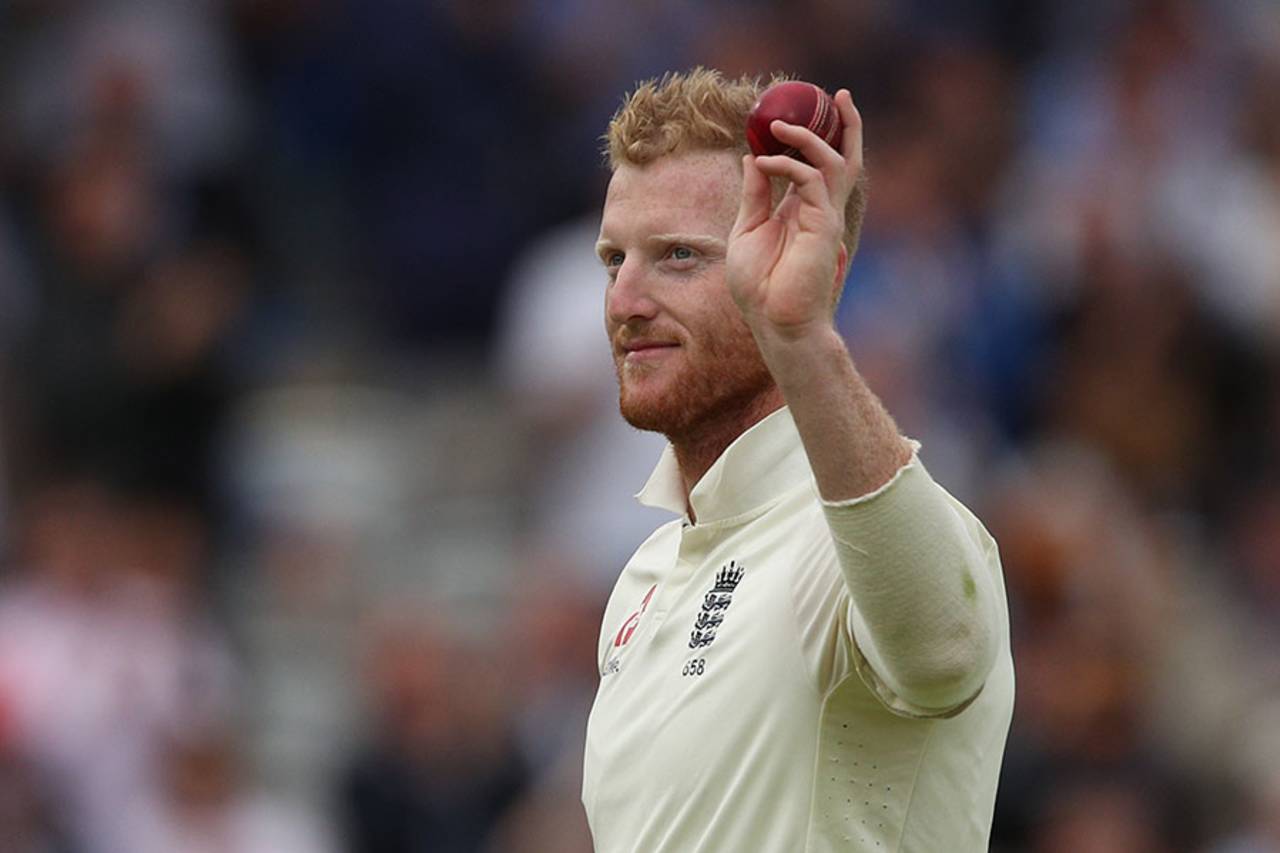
[795, 102]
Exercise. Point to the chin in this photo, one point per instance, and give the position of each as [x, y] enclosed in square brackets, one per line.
[680, 409]
[656, 408]
[678, 400]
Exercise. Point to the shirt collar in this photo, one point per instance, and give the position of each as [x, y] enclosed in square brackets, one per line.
[756, 468]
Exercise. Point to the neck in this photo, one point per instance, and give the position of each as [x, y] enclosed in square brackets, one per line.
[698, 449]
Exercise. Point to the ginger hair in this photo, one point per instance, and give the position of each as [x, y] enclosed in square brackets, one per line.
[701, 110]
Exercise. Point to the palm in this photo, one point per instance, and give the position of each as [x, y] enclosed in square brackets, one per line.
[780, 271]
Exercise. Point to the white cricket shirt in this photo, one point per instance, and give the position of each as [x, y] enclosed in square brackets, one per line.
[746, 702]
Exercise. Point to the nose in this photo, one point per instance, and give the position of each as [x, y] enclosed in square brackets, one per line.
[629, 295]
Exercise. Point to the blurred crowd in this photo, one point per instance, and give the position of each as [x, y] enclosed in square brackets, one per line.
[312, 485]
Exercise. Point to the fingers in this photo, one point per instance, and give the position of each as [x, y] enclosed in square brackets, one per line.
[807, 182]
[812, 146]
[757, 199]
[851, 140]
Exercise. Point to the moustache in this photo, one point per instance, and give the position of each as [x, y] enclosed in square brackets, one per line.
[628, 336]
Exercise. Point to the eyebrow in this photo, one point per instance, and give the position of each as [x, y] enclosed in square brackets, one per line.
[700, 241]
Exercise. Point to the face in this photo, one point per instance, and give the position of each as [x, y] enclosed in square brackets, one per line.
[683, 354]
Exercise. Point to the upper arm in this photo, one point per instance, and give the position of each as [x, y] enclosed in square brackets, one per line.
[925, 610]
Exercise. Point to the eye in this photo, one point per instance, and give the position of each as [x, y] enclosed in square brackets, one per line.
[613, 259]
[681, 253]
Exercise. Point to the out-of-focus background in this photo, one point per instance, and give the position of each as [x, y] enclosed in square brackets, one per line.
[313, 486]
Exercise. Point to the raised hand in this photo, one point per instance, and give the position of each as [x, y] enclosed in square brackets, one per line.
[785, 263]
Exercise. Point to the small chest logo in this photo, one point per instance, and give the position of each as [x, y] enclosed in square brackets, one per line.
[714, 606]
[628, 628]
[625, 633]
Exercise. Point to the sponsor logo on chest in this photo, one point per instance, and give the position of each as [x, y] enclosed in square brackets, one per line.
[624, 635]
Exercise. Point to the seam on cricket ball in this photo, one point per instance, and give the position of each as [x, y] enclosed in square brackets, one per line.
[819, 116]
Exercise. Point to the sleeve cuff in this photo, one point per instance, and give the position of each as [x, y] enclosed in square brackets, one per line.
[913, 462]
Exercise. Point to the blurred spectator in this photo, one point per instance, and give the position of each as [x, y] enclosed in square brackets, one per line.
[123, 363]
[102, 659]
[161, 71]
[204, 806]
[1175, 424]
[1223, 213]
[1094, 598]
[425, 114]
[442, 763]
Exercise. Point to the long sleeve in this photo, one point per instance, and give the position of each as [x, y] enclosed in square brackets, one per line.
[925, 607]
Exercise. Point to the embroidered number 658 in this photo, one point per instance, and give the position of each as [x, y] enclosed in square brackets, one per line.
[697, 666]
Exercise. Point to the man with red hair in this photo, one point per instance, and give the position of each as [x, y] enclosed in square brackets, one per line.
[815, 654]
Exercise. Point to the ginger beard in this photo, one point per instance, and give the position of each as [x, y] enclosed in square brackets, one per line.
[716, 373]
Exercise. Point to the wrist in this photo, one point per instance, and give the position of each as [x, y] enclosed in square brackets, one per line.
[800, 354]
[820, 334]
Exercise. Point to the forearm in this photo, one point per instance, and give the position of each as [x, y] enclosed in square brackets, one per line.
[853, 445]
